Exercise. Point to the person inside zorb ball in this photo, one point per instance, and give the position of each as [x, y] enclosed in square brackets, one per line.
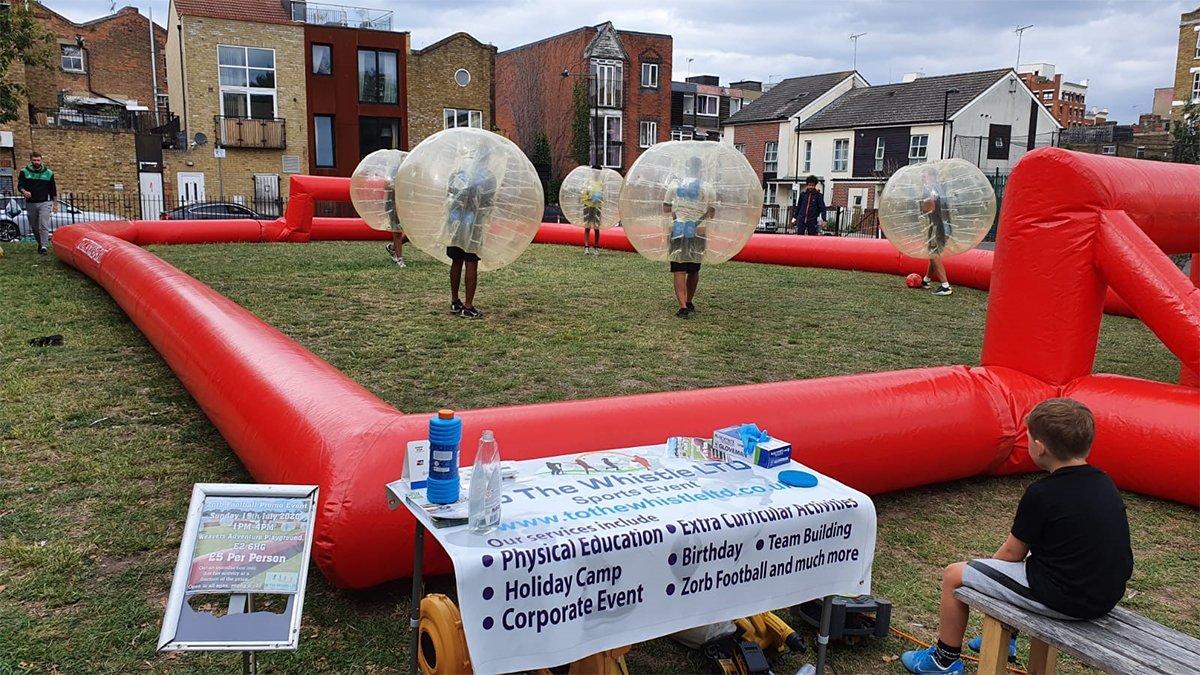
[937, 210]
[373, 192]
[470, 198]
[588, 197]
[689, 203]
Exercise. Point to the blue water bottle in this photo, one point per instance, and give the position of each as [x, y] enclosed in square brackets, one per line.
[445, 432]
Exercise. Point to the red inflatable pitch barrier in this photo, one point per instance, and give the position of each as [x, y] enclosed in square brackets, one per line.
[1072, 225]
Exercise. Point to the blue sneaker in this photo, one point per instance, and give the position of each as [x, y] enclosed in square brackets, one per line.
[921, 661]
[976, 642]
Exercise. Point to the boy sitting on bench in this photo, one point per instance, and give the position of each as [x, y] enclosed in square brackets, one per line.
[1068, 555]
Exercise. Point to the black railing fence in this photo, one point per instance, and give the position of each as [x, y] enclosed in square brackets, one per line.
[82, 207]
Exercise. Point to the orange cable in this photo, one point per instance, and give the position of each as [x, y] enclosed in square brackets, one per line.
[910, 638]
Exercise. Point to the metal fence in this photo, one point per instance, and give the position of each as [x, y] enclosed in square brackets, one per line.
[842, 221]
[85, 207]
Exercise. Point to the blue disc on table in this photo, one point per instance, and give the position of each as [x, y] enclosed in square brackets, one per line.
[797, 478]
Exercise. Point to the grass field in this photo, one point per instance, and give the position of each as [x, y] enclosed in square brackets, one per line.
[101, 444]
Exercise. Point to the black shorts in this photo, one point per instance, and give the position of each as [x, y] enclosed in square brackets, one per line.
[685, 267]
[457, 253]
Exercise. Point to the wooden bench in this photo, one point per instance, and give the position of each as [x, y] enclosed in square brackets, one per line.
[1118, 642]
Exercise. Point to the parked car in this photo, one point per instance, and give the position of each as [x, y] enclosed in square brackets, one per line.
[553, 213]
[767, 223]
[213, 211]
[14, 222]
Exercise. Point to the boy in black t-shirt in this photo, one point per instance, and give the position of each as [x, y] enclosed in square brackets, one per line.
[1068, 555]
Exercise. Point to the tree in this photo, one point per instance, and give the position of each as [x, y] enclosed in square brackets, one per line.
[22, 39]
[1185, 135]
[581, 124]
[542, 159]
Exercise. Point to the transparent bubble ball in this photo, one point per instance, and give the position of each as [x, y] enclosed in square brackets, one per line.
[945, 207]
[590, 197]
[372, 188]
[690, 201]
[473, 189]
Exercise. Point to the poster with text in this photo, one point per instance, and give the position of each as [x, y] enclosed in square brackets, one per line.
[603, 549]
[250, 545]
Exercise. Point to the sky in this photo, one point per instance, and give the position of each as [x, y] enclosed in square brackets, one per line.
[1123, 48]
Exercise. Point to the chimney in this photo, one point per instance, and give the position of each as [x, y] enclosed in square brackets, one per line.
[911, 77]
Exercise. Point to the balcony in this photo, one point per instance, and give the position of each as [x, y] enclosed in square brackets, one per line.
[320, 14]
[245, 132]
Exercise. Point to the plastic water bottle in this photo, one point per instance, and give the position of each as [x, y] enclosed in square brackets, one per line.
[445, 432]
[483, 513]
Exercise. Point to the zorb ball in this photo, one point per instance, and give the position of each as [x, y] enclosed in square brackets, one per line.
[938, 208]
[472, 189]
[590, 197]
[372, 188]
[690, 201]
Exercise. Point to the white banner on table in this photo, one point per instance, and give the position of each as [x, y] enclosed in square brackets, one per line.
[609, 548]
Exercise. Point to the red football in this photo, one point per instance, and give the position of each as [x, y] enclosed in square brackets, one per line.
[913, 280]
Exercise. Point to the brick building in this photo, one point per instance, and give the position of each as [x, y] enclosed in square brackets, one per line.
[236, 74]
[700, 105]
[450, 84]
[1187, 62]
[88, 108]
[627, 75]
[1065, 100]
[356, 88]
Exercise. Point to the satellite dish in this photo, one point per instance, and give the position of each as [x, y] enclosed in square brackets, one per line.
[200, 138]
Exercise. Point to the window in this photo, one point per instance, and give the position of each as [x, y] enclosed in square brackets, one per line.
[918, 149]
[807, 157]
[1047, 95]
[378, 133]
[879, 154]
[650, 75]
[1108, 150]
[707, 105]
[72, 58]
[735, 104]
[247, 76]
[841, 154]
[607, 83]
[610, 141]
[453, 117]
[462, 77]
[378, 81]
[1198, 44]
[1140, 153]
[1195, 87]
[647, 133]
[689, 107]
[771, 157]
[771, 194]
[323, 139]
[680, 135]
[322, 59]
[999, 141]
[740, 147]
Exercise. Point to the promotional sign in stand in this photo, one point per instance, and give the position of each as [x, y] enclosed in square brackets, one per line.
[241, 541]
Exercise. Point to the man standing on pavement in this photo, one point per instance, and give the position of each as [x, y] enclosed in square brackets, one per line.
[810, 209]
[36, 183]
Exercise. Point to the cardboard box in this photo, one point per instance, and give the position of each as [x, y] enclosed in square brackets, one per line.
[772, 453]
[727, 443]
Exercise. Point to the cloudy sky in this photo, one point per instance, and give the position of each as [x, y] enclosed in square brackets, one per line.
[1123, 48]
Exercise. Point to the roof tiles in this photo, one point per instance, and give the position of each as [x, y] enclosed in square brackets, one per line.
[256, 11]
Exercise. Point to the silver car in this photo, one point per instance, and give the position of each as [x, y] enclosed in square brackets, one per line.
[14, 222]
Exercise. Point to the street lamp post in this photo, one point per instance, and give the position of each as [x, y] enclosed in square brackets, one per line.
[984, 117]
[945, 111]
